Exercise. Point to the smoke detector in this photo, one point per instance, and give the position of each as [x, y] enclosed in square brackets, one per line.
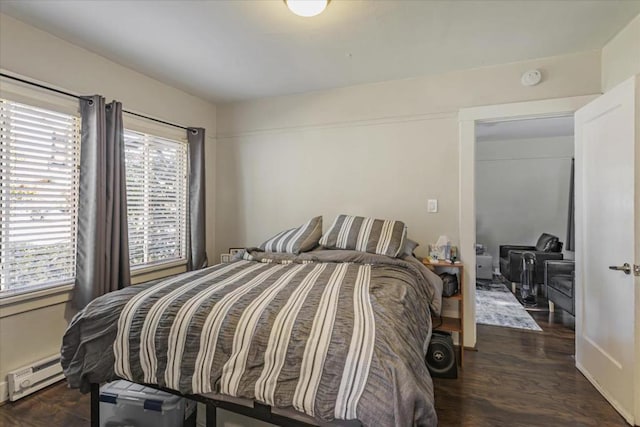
[531, 78]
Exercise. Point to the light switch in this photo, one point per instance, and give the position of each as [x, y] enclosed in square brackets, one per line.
[432, 206]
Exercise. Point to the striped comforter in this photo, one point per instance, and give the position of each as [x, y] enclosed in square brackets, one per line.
[332, 334]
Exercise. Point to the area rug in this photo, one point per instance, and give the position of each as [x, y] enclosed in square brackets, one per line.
[497, 306]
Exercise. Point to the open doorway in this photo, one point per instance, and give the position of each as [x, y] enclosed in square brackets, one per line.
[617, 108]
[468, 118]
[524, 238]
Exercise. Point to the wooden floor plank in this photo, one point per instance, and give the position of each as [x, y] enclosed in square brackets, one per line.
[523, 378]
[52, 407]
[516, 378]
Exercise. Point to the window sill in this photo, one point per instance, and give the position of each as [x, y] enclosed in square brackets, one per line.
[16, 303]
[157, 271]
[19, 301]
[145, 269]
[14, 296]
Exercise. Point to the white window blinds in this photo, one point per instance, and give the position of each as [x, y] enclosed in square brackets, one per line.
[156, 198]
[39, 161]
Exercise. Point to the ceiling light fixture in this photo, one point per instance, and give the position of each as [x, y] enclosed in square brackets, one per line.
[307, 8]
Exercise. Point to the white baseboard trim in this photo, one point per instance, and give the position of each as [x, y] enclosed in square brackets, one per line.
[4, 391]
[626, 415]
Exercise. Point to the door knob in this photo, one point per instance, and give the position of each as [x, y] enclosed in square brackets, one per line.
[624, 267]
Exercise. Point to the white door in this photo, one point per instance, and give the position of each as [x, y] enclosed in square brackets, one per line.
[607, 234]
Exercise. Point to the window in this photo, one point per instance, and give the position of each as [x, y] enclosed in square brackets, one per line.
[39, 160]
[156, 197]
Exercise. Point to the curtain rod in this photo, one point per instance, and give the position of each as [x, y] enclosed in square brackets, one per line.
[72, 95]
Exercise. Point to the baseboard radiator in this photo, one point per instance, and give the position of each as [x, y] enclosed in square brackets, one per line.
[34, 377]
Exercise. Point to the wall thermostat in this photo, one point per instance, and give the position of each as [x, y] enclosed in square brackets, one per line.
[531, 78]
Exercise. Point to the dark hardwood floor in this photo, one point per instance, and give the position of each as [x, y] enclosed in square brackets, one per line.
[516, 378]
[523, 378]
[55, 406]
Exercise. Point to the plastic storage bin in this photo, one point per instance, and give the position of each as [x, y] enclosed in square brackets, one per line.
[127, 404]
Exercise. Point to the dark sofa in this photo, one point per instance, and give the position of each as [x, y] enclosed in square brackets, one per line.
[560, 282]
[547, 248]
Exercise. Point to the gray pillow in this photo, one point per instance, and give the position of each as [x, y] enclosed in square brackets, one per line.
[296, 240]
[376, 236]
[409, 247]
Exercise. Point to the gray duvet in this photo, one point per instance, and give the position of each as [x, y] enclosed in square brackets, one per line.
[332, 334]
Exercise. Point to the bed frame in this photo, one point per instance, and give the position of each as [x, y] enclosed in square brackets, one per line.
[259, 411]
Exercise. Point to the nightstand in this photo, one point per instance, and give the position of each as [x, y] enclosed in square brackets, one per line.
[451, 324]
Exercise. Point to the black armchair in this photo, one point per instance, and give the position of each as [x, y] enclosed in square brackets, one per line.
[560, 282]
[547, 248]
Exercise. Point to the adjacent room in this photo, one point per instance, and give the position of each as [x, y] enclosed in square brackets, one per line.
[319, 213]
[524, 219]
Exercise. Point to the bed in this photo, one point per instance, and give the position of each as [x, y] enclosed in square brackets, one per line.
[321, 337]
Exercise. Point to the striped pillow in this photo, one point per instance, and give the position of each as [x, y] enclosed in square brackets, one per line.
[376, 236]
[296, 240]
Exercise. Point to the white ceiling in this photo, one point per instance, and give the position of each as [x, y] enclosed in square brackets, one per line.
[546, 127]
[234, 50]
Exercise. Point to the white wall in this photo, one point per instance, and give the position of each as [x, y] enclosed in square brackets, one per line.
[621, 56]
[380, 149]
[522, 190]
[274, 181]
[33, 329]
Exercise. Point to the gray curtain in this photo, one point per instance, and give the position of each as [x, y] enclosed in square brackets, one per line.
[196, 250]
[571, 222]
[102, 255]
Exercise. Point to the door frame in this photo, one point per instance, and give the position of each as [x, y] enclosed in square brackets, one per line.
[467, 120]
